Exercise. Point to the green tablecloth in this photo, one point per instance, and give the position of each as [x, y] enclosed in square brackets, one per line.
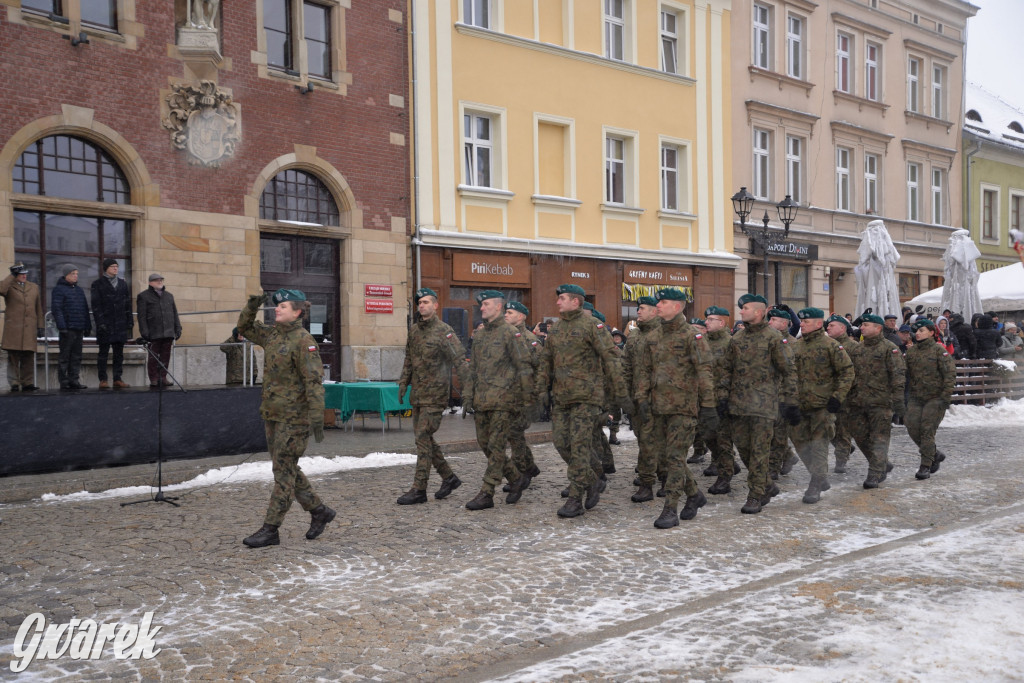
[372, 397]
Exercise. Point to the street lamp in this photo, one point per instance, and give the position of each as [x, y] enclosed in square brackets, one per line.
[743, 205]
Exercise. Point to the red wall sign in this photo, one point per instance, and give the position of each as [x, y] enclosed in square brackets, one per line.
[379, 306]
[377, 290]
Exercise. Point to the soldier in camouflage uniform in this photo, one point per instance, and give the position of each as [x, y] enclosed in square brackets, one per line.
[432, 351]
[782, 457]
[756, 376]
[931, 376]
[700, 436]
[672, 365]
[824, 377]
[500, 371]
[235, 359]
[578, 350]
[877, 393]
[292, 408]
[719, 440]
[522, 456]
[839, 328]
[602, 443]
[648, 439]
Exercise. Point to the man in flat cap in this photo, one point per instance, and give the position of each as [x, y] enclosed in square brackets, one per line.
[671, 367]
[757, 376]
[648, 439]
[824, 377]
[839, 328]
[432, 351]
[500, 376]
[522, 456]
[23, 322]
[160, 326]
[577, 352]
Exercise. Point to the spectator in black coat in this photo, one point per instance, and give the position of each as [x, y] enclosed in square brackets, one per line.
[965, 335]
[112, 311]
[988, 338]
[159, 325]
[71, 313]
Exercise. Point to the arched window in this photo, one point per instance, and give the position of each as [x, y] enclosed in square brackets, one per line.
[973, 115]
[1016, 127]
[63, 167]
[298, 197]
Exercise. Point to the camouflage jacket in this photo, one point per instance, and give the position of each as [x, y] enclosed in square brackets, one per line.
[576, 353]
[880, 373]
[675, 375]
[293, 374]
[531, 344]
[236, 359]
[431, 351]
[757, 372]
[931, 372]
[824, 370]
[500, 371]
[718, 343]
[634, 349]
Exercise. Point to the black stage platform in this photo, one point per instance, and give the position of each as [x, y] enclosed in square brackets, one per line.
[54, 432]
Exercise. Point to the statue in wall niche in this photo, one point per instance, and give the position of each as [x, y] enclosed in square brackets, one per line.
[203, 121]
[203, 13]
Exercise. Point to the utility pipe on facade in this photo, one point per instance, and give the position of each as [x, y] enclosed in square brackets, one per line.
[970, 188]
[412, 138]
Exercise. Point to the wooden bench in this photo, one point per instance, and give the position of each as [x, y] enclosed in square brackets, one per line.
[977, 381]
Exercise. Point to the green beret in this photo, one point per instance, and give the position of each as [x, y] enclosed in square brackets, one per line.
[489, 294]
[748, 298]
[287, 295]
[836, 318]
[517, 306]
[716, 310]
[425, 291]
[587, 306]
[922, 322]
[598, 314]
[697, 321]
[810, 313]
[570, 289]
[871, 318]
[647, 301]
[779, 313]
[670, 294]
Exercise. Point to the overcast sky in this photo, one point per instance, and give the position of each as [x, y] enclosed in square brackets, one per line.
[994, 38]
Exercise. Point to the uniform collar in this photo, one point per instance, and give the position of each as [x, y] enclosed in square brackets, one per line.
[675, 323]
[813, 335]
[717, 334]
[648, 324]
[288, 327]
[572, 315]
[756, 327]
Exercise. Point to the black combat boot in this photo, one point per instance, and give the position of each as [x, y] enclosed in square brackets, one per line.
[572, 508]
[787, 466]
[693, 503]
[613, 437]
[774, 476]
[696, 457]
[752, 506]
[565, 492]
[711, 470]
[840, 467]
[636, 481]
[593, 494]
[872, 481]
[602, 483]
[939, 457]
[609, 468]
[516, 490]
[924, 472]
[481, 502]
[661, 490]
[447, 486]
[668, 518]
[643, 494]
[267, 535]
[813, 493]
[770, 493]
[721, 485]
[320, 517]
[412, 497]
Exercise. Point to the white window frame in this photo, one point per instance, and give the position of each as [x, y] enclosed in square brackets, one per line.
[498, 145]
[1016, 210]
[913, 191]
[844, 190]
[628, 166]
[795, 147]
[669, 39]
[761, 54]
[614, 167]
[795, 62]
[872, 71]
[669, 177]
[844, 62]
[994, 219]
[478, 13]
[938, 192]
[939, 91]
[914, 83]
[762, 167]
[872, 166]
[614, 29]
[473, 146]
[682, 174]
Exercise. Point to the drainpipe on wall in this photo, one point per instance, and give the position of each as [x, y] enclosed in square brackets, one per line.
[412, 139]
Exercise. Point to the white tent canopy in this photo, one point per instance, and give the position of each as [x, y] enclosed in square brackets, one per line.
[1001, 289]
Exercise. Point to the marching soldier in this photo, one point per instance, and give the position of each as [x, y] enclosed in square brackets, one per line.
[782, 458]
[877, 393]
[673, 364]
[719, 440]
[499, 383]
[432, 351]
[647, 438]
[839, 329]
[522, 456]
[757, 375]
[931, 375]
[602, 442]
[578, 351]
[824, 376]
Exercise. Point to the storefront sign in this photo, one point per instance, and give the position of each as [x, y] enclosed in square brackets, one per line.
[378, 290]
[643, 273]
[633, 292]
[379, 306]
[985, 266]
[490, 268]
[785, 249]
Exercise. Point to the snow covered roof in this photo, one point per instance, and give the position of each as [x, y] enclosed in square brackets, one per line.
[990, 117]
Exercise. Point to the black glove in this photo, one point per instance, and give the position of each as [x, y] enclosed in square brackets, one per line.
[709, 416]
[40, 332]
[401, 392]
[945, 404]
[899, 408]
[791, 413]
[256, 300]
[142, 341]
[643, 412]
[723, 407]
[177, 335]
[834, 405]
[102, 329]
[316, 426]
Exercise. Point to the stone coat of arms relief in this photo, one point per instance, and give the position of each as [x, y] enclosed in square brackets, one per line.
[203, 121]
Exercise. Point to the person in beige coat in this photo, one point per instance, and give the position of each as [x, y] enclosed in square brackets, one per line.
[23, 322]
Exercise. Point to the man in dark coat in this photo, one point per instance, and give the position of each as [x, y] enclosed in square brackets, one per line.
[71, 313]
[964, 335]
[988, 338]
[159, 325]
[112, 311]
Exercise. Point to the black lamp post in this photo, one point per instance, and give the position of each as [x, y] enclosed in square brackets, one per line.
[743, 204]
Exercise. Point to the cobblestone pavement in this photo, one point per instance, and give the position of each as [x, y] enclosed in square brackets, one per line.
[435, 591]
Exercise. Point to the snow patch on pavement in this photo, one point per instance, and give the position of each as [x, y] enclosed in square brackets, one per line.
[1000, 414]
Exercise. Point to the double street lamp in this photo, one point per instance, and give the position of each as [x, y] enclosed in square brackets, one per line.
[743, 204]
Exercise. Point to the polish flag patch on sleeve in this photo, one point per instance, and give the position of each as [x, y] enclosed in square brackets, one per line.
[519, 334]
[785, 341]
[700, 336]
[895, 350]
[448, 336]
[311, 348]
[600, 325]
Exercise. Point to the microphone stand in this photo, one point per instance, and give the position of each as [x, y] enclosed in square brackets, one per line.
[159, 497]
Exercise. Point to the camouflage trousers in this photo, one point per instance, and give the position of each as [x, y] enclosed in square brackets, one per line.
[616, 420]
[522, 456]
[843, 440]
[922, 421]
[871, 427]
[753, 437]
[650, 445]
[603, 449]
[572, 430]
[286, 442]
[492, 430]
[722, 446]
[676, 433]
[426, 420]
[811, 438]
[781, 451]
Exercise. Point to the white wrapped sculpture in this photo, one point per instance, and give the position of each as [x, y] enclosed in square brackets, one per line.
[877, 287]
[960, 290]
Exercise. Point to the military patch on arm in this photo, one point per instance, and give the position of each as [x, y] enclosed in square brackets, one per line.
[311, 348]
[699, 336]
[785, 341]
[600, 326]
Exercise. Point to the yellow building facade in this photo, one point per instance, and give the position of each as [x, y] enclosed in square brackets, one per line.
[583, 141]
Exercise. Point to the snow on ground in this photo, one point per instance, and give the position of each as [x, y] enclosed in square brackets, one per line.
[1002, 413]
